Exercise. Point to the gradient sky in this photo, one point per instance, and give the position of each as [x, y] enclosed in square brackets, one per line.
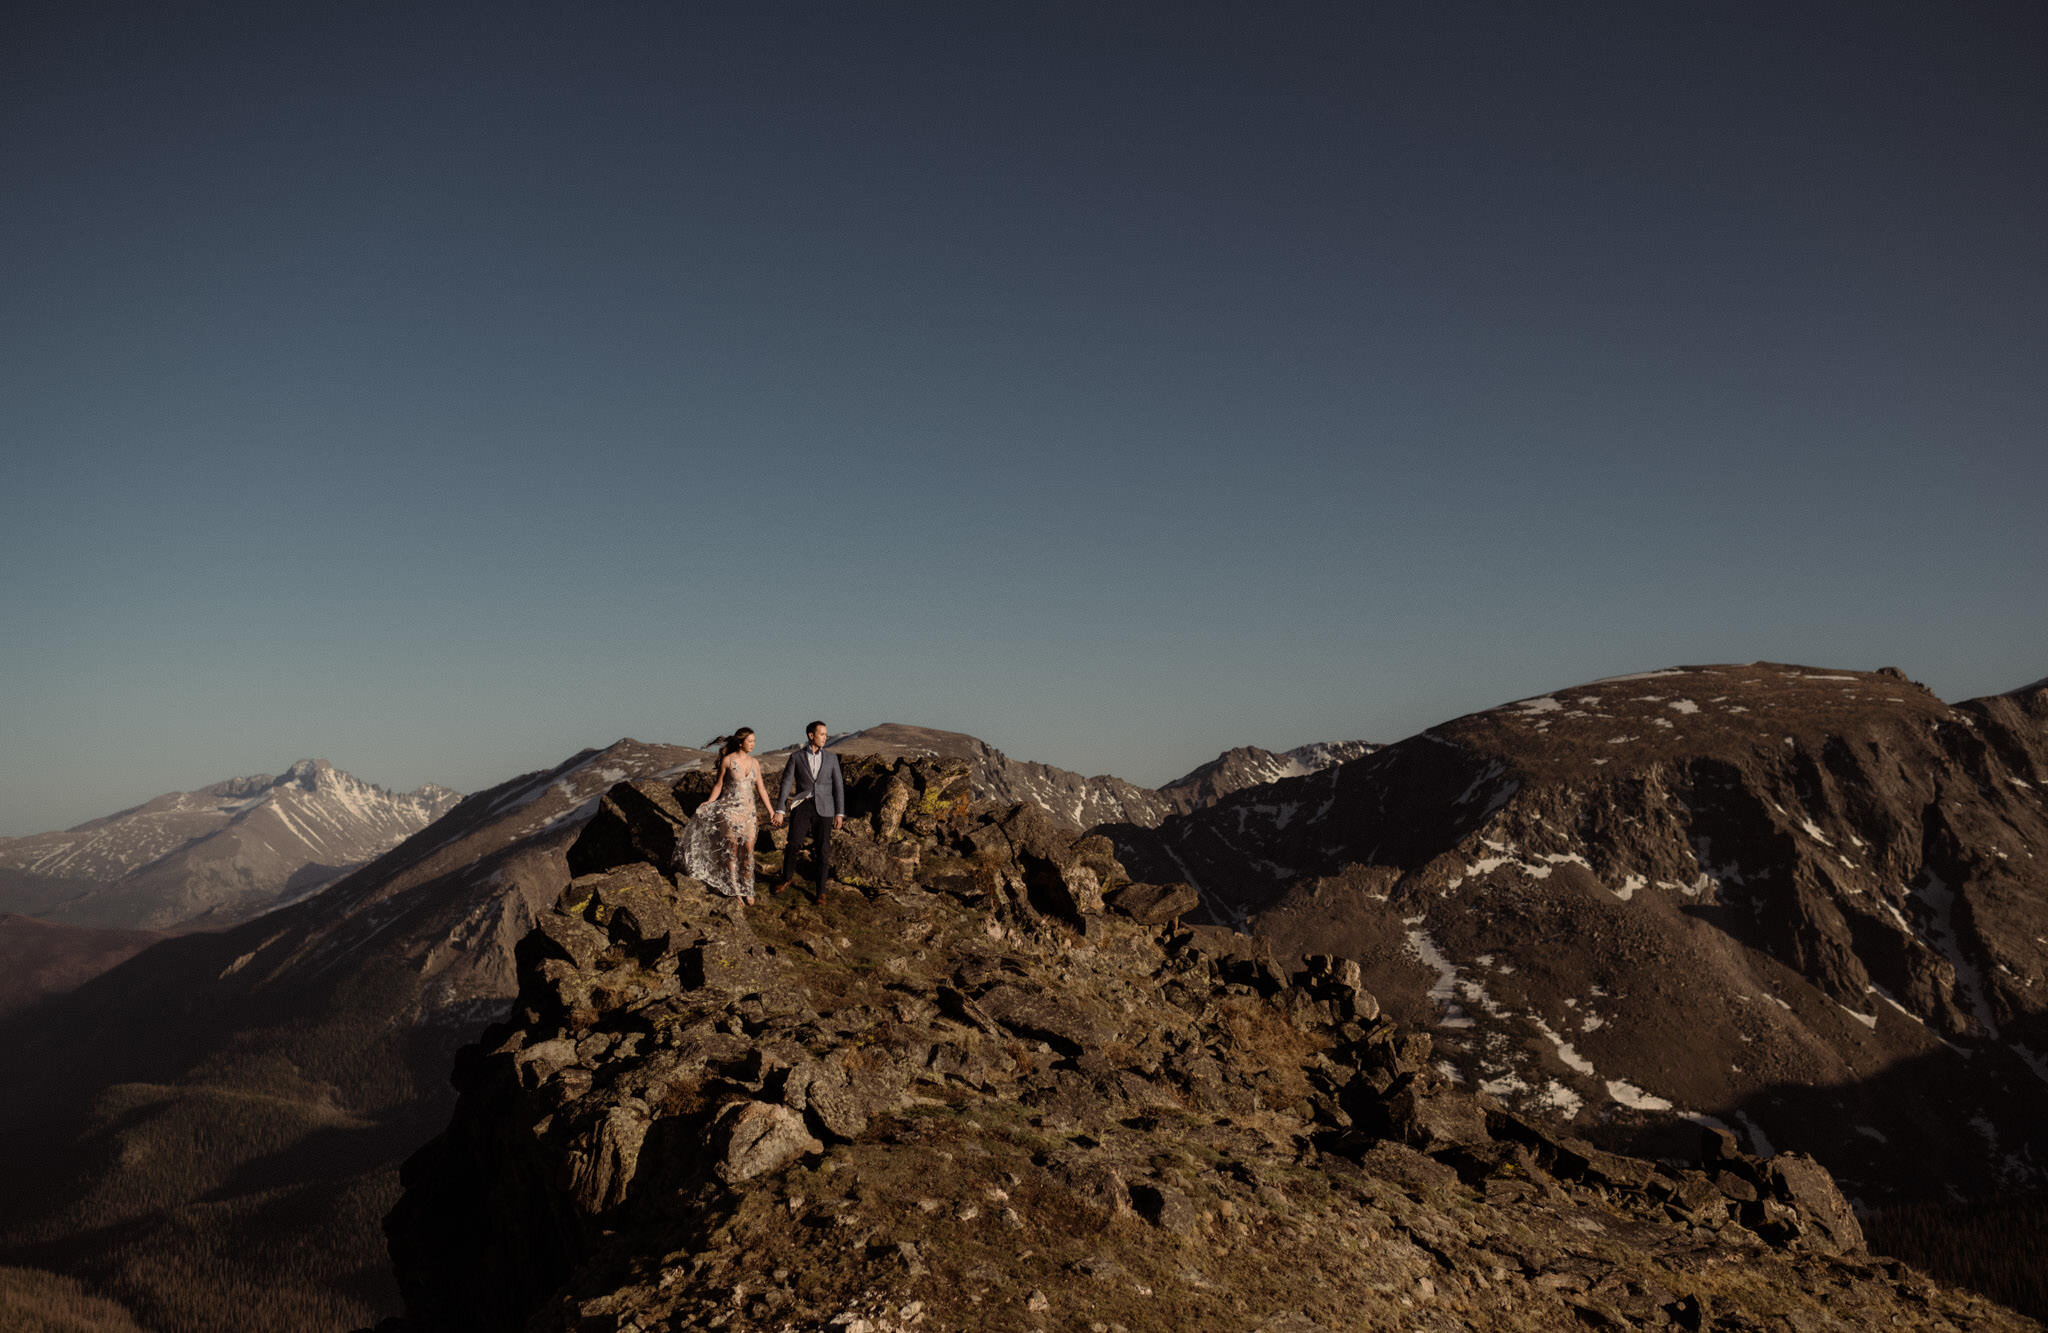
[442, 388]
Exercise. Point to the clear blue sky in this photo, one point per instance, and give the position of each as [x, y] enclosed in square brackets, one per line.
[441, 388]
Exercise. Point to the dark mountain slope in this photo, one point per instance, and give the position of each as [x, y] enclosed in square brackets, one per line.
[1741, 895]
[38, 958]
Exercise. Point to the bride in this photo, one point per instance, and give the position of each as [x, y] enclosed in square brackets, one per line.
[718, 845]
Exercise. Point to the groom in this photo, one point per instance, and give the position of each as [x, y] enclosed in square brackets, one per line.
[812, 778]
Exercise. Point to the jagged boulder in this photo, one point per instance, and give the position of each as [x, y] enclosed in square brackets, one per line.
[749, 1139]
[1153, 904]
[636, 822]
[1823, 1218]
[863, 861]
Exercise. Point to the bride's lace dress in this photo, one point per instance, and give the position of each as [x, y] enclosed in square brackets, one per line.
[718, 844]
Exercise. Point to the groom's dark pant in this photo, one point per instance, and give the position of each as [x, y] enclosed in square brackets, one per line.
[806, 824]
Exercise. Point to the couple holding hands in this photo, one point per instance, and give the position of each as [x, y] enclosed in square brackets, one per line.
[718, 845]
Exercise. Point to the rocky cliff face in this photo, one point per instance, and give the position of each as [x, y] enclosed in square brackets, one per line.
[976, 1098]
[1809, 906]
[218, 855]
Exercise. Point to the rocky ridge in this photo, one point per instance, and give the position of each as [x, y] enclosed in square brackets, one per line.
[1808, 906]
[330, 1020]
[1003, 1090]
[1082, 802]
[1066, 796]
[210, 857]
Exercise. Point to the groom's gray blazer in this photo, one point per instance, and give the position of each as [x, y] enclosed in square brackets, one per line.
[828, 794]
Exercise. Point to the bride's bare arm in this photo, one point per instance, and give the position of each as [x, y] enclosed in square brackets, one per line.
[718, 785]
[762, 788]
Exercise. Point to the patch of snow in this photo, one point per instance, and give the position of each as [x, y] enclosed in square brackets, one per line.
[1445, 990]
[1633, 1097]
[1560, 1100]
[1572, 1059]
[1543, 704]
[1813, 831]
[1758, 1143]
[1492, 771]
[1683, 706]
[1639, 675]
[1942, 900]
[1629, 886]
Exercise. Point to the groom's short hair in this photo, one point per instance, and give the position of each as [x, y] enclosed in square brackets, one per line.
[815, 726]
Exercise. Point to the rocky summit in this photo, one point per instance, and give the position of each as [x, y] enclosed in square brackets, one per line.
[1809, 906]
[1003, 1088]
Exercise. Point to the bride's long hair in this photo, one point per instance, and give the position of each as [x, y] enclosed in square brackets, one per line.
[732, 744]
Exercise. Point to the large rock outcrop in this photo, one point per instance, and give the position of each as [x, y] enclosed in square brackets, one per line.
[974, 1097]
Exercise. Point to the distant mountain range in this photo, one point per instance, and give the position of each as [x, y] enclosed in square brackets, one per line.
[213, 856]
